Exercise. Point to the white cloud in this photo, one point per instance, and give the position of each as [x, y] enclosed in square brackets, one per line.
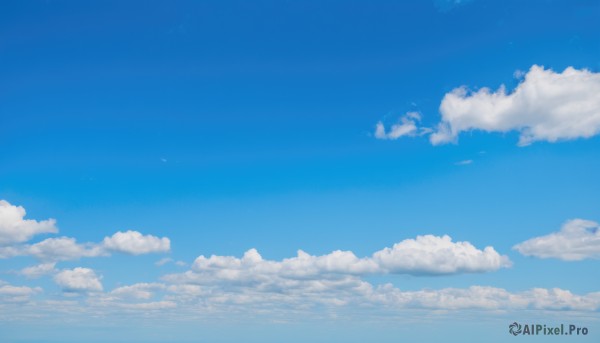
[487, 298]
[16, 294]
[168, 260]
[78, 280]
[163, 261]
[67, 248]
[406, 127]
[438, 255]
[149, 306]
[137, 291]
[39, 270]
[424, 255]
[546, 106]
[134, 243]
[463, 162]
[302, 294]
[62, 249]
[15, 229]
[578, 239]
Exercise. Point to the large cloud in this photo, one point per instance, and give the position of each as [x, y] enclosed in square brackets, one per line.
[578, 239]
[15, 229]
[425, 255]
[546, 106]
[308, 294]
[78, 280]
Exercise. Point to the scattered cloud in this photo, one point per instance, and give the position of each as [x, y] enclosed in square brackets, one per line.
[15, 229]
[78, 280]
[300, 283]
[578, 239]
[134, 243]
[545, 106]
[463, 162]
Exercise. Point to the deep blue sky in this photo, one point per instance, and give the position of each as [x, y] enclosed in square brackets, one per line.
[230, 125]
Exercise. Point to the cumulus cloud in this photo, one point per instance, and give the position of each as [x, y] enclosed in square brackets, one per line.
[15, 229]
[546, 106]
[39, 270]
[578, 239]
[407, 126]
[425, 255]
[134, 243]
[78, 280]
[438, 255]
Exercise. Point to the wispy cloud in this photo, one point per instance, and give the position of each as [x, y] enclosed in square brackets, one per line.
[578, 239]
[463, 162]
[407, 126]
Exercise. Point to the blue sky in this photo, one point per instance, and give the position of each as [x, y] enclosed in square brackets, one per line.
[158, 132]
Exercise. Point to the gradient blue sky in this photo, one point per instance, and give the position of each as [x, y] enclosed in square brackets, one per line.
[231, 125]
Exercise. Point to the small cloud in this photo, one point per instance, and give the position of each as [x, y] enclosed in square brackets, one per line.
[463, 162]
[407, 126]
